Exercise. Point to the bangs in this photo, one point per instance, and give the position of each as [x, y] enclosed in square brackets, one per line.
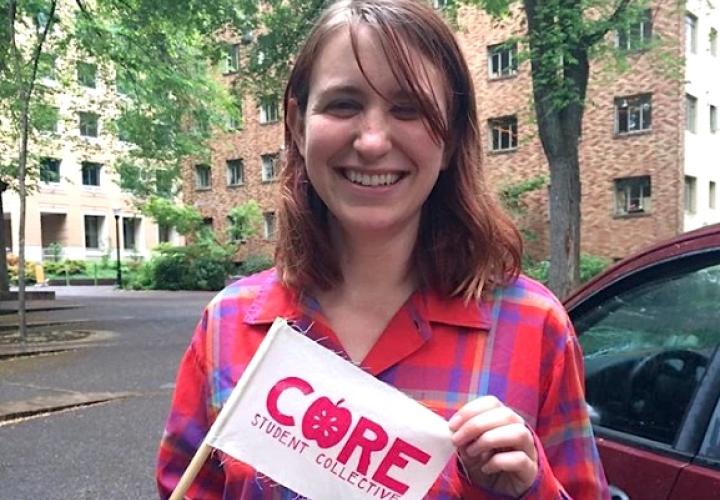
[411, 62]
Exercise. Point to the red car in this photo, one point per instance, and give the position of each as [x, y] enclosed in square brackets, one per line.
[650, 331]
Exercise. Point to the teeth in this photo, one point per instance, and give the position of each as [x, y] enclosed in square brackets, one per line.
[371, 180]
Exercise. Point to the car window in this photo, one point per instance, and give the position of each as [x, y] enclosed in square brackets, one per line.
[647, 348]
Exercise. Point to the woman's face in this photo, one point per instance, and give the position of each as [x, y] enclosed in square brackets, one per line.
[370, 158]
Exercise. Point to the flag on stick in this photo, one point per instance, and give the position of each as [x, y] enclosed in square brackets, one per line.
[324, 428]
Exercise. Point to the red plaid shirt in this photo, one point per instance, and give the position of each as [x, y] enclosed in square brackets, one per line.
[518, 345]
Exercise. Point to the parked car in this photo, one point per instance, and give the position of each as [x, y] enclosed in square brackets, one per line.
[650, 331]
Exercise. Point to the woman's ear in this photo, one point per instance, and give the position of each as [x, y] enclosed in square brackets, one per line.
[296, 124]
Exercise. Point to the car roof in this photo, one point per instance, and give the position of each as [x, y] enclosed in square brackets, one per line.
[693, 241]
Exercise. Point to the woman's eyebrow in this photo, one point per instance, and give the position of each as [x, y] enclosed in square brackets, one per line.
[341, 88]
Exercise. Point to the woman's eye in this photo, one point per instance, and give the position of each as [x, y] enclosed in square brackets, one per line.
[406, 111]
[343, 108]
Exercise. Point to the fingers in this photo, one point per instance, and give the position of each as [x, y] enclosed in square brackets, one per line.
[480, 416]
[509, 437]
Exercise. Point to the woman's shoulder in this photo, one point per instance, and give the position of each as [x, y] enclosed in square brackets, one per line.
[531, 293]
[246, 289]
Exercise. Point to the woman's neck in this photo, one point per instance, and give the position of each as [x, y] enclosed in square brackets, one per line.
[375, 265]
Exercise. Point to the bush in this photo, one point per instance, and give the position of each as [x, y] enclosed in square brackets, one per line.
[59, 268]
[30, 277]
[590, 266]
[202, 266]
[255, 263]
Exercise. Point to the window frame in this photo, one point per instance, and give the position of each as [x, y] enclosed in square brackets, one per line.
[231, 64]
[100, 219]
[44, 162]
[274, 161]
[230, 175]
[203, 182]
[269, 226]
[690, 194]
[92, 126]
[636, 103]
[691, 105]
[86, 172]
[691, 30]
[269, 111]
[84, 79]
[496, 51]
[626, 184]
[504, 125]
[713, 119]
[630, 41]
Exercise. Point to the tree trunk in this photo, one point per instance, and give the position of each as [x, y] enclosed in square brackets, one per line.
[22, 170]
[4, 280]
[564, 224]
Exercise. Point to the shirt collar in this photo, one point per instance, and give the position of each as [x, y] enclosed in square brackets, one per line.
[273, 300]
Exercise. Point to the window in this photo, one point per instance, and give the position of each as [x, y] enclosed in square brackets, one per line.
[503, 133]
[130, 229]
[632, 195]
[235, 172]
[633, 114]
[235, 118]
[690, 33]
[88, 124]
[86, 74]
[638, 35]
[164, 233]
[202, 176]
[269, 111]
[712, 195]
[45, 119]
[269, 167]
[90, 173]
[713, 119]
[93, 227]
[713, 41]
[690, 113]
[50, 170]
[690, 197]
[439, 4]
[647, 345]
[269, 224]
[502, 60]
[232, 59]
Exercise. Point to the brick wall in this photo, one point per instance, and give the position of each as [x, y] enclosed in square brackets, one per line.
[604, 156]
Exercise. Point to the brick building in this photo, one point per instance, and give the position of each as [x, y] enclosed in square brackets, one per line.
[650, 151]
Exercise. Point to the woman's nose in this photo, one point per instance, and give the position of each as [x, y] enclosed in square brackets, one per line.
[373, 139]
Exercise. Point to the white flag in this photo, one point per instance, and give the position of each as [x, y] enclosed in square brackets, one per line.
[324, 428]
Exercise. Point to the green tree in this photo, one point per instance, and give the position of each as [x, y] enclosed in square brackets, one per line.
[562, 37]
[161, 53]
[19, 61]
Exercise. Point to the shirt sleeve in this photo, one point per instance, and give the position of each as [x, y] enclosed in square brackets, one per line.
[569, 465]
[188, 422]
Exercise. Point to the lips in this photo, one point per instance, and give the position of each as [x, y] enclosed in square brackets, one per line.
[371, 180]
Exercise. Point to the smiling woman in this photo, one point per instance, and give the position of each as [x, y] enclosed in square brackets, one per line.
[392, 253]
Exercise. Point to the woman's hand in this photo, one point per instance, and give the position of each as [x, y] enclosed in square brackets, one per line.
[496, 448]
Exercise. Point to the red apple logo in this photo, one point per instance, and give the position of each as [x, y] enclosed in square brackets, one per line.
[325, 422]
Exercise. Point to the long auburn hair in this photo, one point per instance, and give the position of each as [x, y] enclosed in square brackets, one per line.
[466, 243]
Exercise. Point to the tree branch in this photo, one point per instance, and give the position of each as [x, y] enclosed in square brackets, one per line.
[602, 27]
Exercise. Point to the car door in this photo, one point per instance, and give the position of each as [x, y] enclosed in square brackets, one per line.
[650, 340]
[701, 479]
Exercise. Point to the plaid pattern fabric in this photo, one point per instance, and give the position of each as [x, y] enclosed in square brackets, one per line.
[518, 346]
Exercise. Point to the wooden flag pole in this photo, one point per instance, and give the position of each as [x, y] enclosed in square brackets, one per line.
[203, 452]
[188, 476]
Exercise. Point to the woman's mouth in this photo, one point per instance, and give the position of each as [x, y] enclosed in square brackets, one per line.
[371, 180]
